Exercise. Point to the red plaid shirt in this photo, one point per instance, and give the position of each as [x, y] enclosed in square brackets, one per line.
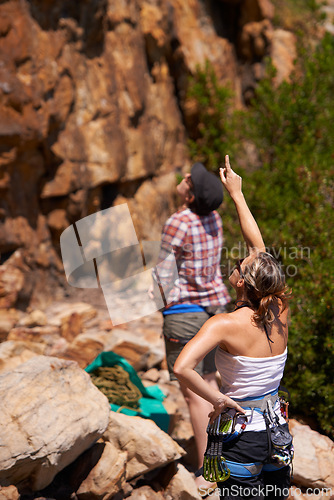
[197, 243]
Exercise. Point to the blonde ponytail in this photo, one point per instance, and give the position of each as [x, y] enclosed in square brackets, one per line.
[265, 288]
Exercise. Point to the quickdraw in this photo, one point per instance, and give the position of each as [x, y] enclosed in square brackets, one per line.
[222, 430]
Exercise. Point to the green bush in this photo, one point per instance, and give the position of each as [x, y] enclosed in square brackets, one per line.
[213, 129]
[291, 196]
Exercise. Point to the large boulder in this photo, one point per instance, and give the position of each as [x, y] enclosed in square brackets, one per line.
[51, 413]
[313, 464]
[100, 472]
[182, 486]
[148, 447]
[15, 352]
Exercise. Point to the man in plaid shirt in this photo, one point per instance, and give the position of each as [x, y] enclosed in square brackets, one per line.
[195, 236]
[196, 242]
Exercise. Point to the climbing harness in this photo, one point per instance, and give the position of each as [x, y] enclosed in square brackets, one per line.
[279, 437]
[224, 430]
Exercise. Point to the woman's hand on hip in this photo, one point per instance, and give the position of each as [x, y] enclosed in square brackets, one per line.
[221, 405]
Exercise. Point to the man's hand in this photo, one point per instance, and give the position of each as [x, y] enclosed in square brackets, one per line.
[231, 181]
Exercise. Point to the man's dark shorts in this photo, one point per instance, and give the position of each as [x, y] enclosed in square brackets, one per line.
[177, 330]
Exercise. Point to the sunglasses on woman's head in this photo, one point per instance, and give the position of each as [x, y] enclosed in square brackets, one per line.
[238, 266]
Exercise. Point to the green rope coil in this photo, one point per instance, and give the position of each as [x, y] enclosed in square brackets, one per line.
[115, 383]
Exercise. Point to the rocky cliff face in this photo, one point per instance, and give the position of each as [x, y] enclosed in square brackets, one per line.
[94, 110]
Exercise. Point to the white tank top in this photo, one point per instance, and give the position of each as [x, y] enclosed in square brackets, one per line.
[246, 377]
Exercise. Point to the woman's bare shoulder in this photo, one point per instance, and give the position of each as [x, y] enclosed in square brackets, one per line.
[224, 321]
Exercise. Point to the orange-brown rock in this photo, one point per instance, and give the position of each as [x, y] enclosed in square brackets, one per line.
[82, 350]
[255, 40]
[51, 414]
[148, 447]
[8, 318]
[11, 283]
[88, 99]
[99, 472]
[313, 464]
[57, 221]
[71, 326]
[256, 10]
[141, 345]
[94, 107]
[106, 325]
[158, 193]
[59, 312]
[182, 485]
[79, 109]
[148, 493]
[15, 352]
[133, 353]
[35, 318]
[44, 335]
[9, 493]
[283, 54]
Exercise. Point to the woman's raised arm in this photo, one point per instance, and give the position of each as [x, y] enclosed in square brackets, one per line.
[250, 230]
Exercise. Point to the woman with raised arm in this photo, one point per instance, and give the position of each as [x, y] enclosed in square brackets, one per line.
[251, 355]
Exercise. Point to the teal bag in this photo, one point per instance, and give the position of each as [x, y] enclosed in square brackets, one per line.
[150, 404]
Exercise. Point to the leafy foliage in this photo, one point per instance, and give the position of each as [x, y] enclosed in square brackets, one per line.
[213, 102]
[298, 15]
[291, 196]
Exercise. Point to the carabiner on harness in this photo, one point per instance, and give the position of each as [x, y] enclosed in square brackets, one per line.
[280, 439]
[222, 430]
